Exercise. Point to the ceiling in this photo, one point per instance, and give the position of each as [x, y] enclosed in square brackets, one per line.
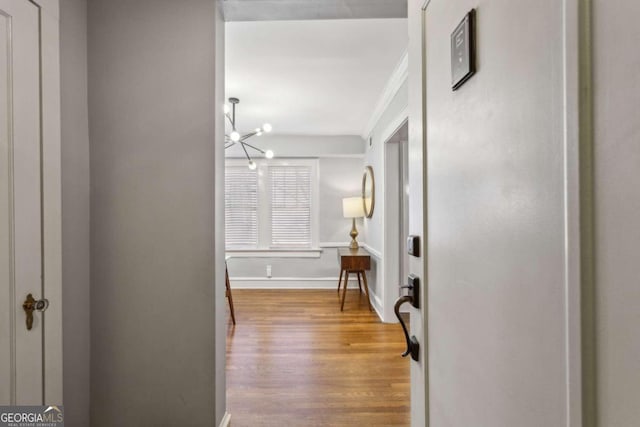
[271, 10]
[318, 77]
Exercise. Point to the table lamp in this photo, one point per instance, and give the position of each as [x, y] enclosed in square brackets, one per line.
[353, 208]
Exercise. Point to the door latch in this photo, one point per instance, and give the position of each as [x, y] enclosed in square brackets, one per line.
[30, 305]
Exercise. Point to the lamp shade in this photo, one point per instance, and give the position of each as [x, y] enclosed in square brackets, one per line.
[352, 207]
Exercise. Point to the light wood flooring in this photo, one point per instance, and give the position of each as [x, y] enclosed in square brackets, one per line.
[295, 360]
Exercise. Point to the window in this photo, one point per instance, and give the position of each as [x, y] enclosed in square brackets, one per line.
[290, 206]
[241, 207]
[271, 208]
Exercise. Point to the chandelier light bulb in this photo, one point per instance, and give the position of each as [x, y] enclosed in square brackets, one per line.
[234, 137]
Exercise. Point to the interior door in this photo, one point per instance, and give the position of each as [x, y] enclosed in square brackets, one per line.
[21, 350]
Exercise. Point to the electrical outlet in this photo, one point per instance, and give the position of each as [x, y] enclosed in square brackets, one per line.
[269, 271]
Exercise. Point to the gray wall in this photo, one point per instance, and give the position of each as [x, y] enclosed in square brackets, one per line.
[75, 211]
[494, 153]
[617, 206]
[152, 102]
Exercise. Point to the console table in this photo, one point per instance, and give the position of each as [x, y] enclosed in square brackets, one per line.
[352, 261]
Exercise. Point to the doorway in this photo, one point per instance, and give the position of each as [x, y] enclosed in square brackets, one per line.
[397, 211]
[296, 354]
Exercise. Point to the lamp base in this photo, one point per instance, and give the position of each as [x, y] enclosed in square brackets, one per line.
[354, 234]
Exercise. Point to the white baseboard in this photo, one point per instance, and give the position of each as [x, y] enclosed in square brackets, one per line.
[226, 420]
[377, 305]
[289, 283]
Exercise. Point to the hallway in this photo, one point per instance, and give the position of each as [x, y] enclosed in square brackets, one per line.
[295, 360]
[143, 144]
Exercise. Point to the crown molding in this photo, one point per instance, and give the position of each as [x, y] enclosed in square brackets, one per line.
[396, 80]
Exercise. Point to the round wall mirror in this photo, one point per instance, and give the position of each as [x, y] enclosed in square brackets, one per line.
[368, 191]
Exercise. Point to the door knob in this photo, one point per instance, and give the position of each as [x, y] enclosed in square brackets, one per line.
[30, 305]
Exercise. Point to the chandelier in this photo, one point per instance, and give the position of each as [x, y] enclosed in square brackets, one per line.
[234, 137]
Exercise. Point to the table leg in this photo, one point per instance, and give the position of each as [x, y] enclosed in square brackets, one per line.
[359, 282]
[344, 291]
[340, 280]
[229, 296]
[366, 289]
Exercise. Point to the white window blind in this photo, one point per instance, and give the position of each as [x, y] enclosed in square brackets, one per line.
[241, 207]
[290, 206]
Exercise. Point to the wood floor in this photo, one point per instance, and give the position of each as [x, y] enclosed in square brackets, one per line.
[295, 360]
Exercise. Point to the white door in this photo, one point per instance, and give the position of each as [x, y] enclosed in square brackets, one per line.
[501, 213]
[21, 353]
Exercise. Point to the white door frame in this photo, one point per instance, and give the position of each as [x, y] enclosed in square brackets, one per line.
[51, 197]
[391, 237]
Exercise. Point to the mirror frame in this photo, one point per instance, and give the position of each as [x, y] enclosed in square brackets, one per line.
[368, 171]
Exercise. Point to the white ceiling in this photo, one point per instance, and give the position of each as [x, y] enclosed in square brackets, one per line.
[319, 77]
[271, 10]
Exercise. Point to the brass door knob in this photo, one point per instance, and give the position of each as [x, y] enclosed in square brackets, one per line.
[30, 305]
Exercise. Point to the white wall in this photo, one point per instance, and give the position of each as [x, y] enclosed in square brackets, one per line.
[374, 157]
[616, 77]
[375, 151]
[304, 145]
[339, 178]
[154, 157]
[495, 221]
[75, 211]
[340, 175]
